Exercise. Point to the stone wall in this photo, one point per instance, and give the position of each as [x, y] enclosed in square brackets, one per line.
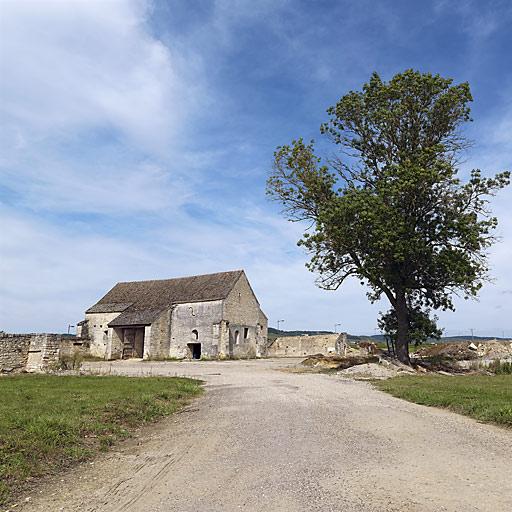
[196, 322]
[300, 346]
[100, 333]
[34, 352]
[247, 336]
[14, 352]
[157, 337]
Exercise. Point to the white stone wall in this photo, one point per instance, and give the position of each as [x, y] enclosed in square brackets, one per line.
[299, 346]
[99, 333]
[203, 317]
[242, 311]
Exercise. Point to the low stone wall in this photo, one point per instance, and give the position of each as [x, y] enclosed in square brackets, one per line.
[300, 346]
[35, 352]
[14, 351]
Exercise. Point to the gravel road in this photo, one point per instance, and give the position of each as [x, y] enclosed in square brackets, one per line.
[261, 439]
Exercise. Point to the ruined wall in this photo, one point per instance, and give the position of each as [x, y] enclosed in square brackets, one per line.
[203, 317]
[299, 346]
[247, 329]
[34, 352]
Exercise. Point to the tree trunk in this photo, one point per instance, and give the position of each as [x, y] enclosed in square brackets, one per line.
[402, 338]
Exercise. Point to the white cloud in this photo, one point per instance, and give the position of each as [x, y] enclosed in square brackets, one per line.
[66, 65]
[93, 108]
[50, 275]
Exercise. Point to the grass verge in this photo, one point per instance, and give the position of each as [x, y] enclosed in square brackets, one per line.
[483, 397]
[49, 422]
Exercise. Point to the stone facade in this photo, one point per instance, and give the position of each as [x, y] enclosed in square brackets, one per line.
[228, 322]
[247, 324]
[300, 346]
[196, 322]
[96, 329]
[34, 352]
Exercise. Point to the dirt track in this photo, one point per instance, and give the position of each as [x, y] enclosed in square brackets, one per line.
[264, 440]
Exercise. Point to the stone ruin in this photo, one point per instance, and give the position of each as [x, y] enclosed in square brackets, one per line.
[300, 346]
[35, 352]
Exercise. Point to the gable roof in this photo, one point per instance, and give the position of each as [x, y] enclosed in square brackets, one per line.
[140, 302]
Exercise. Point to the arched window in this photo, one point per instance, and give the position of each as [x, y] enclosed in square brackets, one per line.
[237, 337]
[195, 335]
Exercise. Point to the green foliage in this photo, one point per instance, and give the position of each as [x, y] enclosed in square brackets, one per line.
[485, 398]
[421, 326]
[49, 421]
[390, 209]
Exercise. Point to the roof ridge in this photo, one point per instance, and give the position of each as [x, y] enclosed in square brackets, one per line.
[183, 277]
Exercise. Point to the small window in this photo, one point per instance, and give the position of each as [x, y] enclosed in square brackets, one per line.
[246, 332]
[195, 334]
[237, 337]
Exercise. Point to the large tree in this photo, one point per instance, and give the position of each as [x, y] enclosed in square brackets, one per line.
[388, 207]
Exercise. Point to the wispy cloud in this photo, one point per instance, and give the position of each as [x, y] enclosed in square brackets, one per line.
[74, 65]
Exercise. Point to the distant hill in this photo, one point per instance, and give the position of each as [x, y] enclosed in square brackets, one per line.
[376, 338]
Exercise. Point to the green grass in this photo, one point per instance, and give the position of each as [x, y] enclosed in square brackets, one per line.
[483, 397]
[49, 422]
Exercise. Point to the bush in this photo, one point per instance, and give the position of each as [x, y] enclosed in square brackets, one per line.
[500, 367]
[71, 360]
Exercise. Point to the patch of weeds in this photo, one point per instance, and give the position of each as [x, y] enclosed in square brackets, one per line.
[500, 367]
[70, 360]
[48, 422]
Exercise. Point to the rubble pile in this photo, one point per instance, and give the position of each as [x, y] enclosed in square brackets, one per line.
[358, 366]
[466, 351]
[444, 358]
[379, 371]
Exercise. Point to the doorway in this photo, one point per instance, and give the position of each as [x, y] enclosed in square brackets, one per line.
[133, 342]
[194, 350]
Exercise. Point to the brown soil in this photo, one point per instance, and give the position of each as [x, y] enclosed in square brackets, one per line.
[320, 361]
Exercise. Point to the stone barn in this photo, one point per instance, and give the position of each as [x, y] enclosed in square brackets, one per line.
[213, 315]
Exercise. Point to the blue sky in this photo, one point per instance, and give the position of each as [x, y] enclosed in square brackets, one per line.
[136, 138]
